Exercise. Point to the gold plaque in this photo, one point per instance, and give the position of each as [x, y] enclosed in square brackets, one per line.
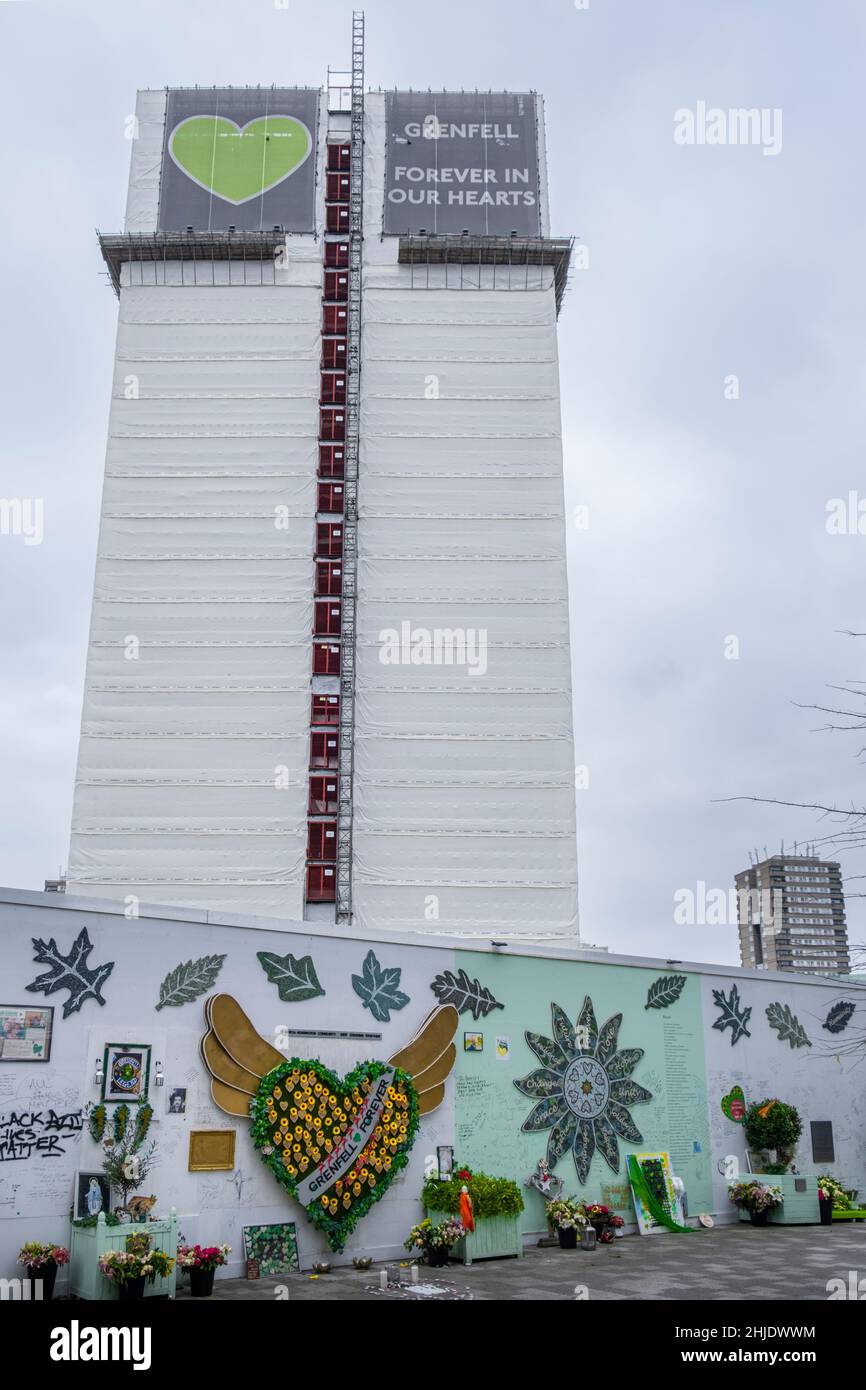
[211, 1150]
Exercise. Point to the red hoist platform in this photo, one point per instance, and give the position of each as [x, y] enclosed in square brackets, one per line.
[322, 805]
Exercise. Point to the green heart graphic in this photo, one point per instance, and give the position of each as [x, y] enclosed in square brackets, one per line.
[343, 1140]
[734, 1105]
[239, 162]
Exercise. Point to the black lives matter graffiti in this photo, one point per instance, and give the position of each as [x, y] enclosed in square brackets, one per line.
[37, 1133]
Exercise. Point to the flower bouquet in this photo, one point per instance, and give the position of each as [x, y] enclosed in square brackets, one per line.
[200, 1262]
[131, 1269]
[616, 1224]
[435, 1242]
[567, 1217]
[831, 1194]
[42, 1263]
[757, 1198]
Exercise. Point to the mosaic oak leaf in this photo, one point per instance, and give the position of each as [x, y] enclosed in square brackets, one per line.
[70, 972]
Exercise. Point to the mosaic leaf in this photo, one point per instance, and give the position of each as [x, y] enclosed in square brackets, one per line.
[839, 1017]
[629, 1092]
[186, 982]
[605, 1138]
[465, 994]
[787, 1025]
[540, 1083]
[542, 1115]
[586, 1019]
[547, 1051]
[623, 1123]
[296, 980]
[583, 1149]
[379, 988]
[665, 991]
[563, 1032]
[561, 1139]
[624, 1063]
[732, 1016]
[607, 1038]
[70, 972]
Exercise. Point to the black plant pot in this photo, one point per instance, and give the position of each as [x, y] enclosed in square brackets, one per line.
[131, 1288]
[201, 1283]
[758, 1218]
[826, 1211]
[47, 1273]
[567, 1237]
[438, 1257]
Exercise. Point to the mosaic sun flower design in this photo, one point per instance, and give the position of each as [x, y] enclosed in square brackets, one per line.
[583, 1089]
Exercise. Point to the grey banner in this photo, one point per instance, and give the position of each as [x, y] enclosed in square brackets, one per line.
[239, 157]
[461, 161]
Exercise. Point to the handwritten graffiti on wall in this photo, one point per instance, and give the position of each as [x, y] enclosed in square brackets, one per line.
[37, 1133]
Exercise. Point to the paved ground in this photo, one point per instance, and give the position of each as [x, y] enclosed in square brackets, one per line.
[730, 1262]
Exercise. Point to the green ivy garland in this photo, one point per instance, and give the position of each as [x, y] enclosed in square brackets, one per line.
[96, 1117]
[335, 1229]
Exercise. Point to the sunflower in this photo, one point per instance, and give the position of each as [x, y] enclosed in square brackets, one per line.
[583, 1089]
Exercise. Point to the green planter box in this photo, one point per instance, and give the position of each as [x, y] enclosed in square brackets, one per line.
[493, 1236]
[800, 1207]
[90, 1243]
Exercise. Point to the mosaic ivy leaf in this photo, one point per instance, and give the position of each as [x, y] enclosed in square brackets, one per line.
[607, 1038]
[542, 1115]
[561, 1139]
[732, 1016]
[547, 1052]
[586, 1019]
[465, 994]
[70, 972]
[583, 1149]
[839, 1017]
[629, 1092]
[563, 1033]
[296, 980]
[665, 991]
[787, 1025]
[186, 982]
[623, 1123]
[379, 988]
[624, 1063]
[606, 1143]
[540, 1083]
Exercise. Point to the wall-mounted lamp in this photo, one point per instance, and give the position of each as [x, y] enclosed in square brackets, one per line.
[158, 1074]
[99, 1073]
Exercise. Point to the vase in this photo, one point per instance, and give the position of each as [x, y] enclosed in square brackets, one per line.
[131, 1288]
[438, 1257]
[44, 1274]
[826, 1207]
[567, 1237]
[201, 1283]
[758, 1218]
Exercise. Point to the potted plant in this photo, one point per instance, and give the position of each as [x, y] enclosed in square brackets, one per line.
[599, 1217]
[435, 1239]
[42, 1263]
[201, 1262]
[757, 1198]
[617, 1224]
[566, 1216]
[831, 1195]
[773, 1127]
[134, 1266]
[496, 1205]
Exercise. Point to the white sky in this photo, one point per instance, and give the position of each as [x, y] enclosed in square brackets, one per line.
[707, 515]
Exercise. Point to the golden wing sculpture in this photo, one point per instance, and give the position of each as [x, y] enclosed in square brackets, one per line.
[335, 1143]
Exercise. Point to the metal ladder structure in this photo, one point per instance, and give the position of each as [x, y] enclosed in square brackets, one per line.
[343, 910]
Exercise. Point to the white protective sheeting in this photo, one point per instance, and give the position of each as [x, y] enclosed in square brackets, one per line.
[192, 775]
[464, 814]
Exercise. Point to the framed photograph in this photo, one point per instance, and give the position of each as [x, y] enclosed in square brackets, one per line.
[25, 1033]
[273, 1248]
[473, 1042]
[92, 1195]
[211, 1150]
[126, 1071]
[177, 1100]
[445, 1161]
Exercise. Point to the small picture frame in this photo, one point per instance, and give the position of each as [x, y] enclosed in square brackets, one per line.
[211, 1150]
[92, 1195]
[126, 1071]
[25, 1033]
[177, 1100]
[473, 1042]
[445, 1161]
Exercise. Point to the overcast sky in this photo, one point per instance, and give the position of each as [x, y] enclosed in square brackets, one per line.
[707, 515]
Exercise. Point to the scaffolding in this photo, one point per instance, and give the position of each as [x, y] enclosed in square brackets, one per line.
[137, 251]
[521, 261]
